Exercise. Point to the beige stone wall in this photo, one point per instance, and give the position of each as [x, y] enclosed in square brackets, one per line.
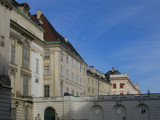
[56, 79]
[95, 86]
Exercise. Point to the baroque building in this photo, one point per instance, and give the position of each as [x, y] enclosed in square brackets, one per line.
[43, 67]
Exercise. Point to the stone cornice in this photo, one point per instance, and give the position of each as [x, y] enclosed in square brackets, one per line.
[7, 4]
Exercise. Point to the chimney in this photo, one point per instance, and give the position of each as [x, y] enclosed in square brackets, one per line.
[97, 72]
[113, 69]
[39, 13]
[92, 69]
[100, 73]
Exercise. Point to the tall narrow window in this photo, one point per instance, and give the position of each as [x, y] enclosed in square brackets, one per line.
[80, 68]
[61, 55]
[61, 71]
[88, 80]
[114, 86]
[73, 92]
[46, 91]
[37, 65]
[26, 56]
[121, 85]
[77, 78]
[47, 53]
[72, 62]
[84, 70]
[67, 90]
[13, 53]
[61, 90]
[67, 74]
[80, 80]
[67, 59]
[26, 113]
[72, 76]
[46, 69]
[88, 89]
[25, 85]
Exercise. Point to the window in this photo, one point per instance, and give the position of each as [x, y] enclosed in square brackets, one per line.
[72, 92]
[61, 71]
[25, 85]
[67, 90]
[46, 91]
[13, 53]
[67, 59]
[80, 68]
[92, 90]
[72, 76]
[61, 90]
[92, 81]
[26, 56]
[26, 113]
[88, 89]
[114, 86]
[121, 85]
[46, 69]
[77, 78]
[77, 93]
[47, 53]
[76, 65]
[80, 80]
[61, 55]
[88, 80]
[72, 62]
[13, 114]
[67, 74]
[84, 71]
[37, 65]
[2, 41]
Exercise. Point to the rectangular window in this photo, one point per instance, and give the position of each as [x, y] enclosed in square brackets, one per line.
[13, 53]
[67, 59]
[67, 74]
[67, 90]
[61, 90]
[72, 63]
[92, 81]
[77, 78]
[121, 94]
[72, 76]
[114, 86]
[80, 81]
[46, 91]
[76, 65]
[26, 113]
[88, 80]
[84, 70]
[88, 89]
[46, 69]
[73, 92]
[61, 71]
[2, 41]
[121, 85]
[61, 55]
[37, 65]
[25, 85]
[92, 90]
[26, 56]
[47, 53]
[80, 68]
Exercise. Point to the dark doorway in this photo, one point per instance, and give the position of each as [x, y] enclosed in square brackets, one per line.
[49, 114]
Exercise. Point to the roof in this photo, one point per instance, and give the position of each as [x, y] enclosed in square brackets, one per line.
[97, 76]
[51, 35]
[111, 73]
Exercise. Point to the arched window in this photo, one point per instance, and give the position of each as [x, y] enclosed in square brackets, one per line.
[26, 56]
[49, 114]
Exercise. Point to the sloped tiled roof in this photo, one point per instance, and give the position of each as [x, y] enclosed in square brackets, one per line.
[51, 35]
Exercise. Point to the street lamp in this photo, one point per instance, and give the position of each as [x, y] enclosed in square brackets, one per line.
[16, 103]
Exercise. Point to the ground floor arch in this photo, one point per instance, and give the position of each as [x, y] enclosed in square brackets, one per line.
[49, 114]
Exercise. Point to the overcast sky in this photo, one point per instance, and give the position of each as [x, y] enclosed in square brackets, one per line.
[106, 33]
